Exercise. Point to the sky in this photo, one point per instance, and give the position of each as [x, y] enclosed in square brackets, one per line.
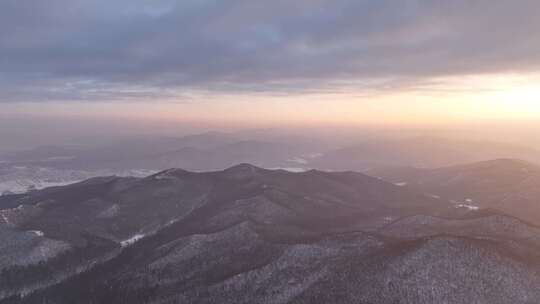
[254, 63]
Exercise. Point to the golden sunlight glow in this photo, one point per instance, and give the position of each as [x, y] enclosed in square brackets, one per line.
[463, 99]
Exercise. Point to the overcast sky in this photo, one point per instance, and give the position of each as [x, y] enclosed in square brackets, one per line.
[211, 59]
[102, 49]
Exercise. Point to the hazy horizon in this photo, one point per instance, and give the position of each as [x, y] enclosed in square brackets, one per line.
[78, 70]
[20, 132]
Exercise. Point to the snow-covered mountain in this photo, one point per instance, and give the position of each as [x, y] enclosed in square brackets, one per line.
[251, 235]
[509, 185]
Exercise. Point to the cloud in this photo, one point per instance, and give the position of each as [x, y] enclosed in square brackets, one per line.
[103, 50]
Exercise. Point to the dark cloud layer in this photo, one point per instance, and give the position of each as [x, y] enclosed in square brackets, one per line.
[124, 49]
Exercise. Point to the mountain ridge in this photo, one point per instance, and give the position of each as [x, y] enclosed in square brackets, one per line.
[509, 185]
[248, 234]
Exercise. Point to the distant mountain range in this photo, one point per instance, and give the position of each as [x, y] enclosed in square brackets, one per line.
[251, 235]
[208, 151]
[423, 152]
[216, 151]
[57, 165]
[509, 185]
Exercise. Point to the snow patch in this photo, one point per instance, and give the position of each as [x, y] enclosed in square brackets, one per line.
[467, 204]
[5, 218]
[401, 184]
[470, 207]
[37, 232]
[132, 240]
